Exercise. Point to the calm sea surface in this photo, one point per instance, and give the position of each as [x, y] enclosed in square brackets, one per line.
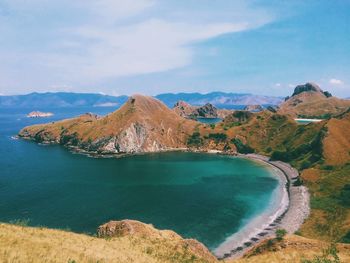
[207, 197]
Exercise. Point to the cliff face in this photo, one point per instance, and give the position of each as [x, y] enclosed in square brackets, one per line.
[309, 100]
[142, 124]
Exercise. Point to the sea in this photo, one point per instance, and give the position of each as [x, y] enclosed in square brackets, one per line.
[203, 196]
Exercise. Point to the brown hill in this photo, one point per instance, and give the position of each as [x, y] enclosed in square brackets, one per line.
[310, 101]
[142, 124]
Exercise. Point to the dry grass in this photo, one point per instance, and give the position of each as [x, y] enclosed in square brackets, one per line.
[27, 244]
[294, 249]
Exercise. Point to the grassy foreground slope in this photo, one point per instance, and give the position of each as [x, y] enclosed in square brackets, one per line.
[293, 249]
[28, 244]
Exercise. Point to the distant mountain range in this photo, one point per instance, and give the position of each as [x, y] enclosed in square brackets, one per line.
[219, 99]
[61, 99]
[67, 99]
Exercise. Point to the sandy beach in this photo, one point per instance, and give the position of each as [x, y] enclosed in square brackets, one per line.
[288, 211]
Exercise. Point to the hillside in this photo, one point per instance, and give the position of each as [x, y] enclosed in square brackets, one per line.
[309, 101]
[320, 151]
[294, 249]
[60, 99]
[127, 241]
[142, 124]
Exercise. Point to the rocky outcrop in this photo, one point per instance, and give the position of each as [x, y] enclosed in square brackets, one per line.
[184, 109]
[138, 229]
[253, 108]
[206, 111]
[308, 87]
[192, 112]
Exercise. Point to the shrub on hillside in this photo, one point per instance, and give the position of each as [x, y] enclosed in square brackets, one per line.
[241, 147]
[217, 137]
[195, 140]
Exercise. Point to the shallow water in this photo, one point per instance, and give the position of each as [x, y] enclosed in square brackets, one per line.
[202, 196]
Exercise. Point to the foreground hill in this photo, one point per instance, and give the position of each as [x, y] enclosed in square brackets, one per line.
[60, 99]
[132, 241]
[142, 124]
[120, 241]
[309, 101]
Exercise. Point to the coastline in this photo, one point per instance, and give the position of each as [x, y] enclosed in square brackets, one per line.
[290, 211]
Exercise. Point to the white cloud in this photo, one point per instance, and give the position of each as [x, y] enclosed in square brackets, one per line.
[278, 85]
[85, 41]
[336, 82]
[291, 85]
[147, 47]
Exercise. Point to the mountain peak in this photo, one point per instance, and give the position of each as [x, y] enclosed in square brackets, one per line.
[310, 87]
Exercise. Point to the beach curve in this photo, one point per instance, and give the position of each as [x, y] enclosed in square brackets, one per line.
[291, 208]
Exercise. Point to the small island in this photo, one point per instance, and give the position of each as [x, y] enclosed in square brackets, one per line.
[39, 114]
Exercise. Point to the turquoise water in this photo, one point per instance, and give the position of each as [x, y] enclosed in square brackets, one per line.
[201, 196]
[209, 120]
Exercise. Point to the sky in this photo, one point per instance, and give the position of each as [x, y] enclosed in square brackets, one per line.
[119, 47]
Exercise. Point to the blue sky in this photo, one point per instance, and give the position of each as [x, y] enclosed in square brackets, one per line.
[153, 46]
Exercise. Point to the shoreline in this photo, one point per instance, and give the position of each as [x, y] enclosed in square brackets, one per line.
[292, 211]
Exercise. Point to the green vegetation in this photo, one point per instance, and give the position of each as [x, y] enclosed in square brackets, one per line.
[325, 116]
[217, 137]
[195, 140]
[303, 155]
[241, 147]
[330, 201]
[280, 233]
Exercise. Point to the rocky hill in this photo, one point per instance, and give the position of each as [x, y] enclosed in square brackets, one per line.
[142, 124]
[310, 101]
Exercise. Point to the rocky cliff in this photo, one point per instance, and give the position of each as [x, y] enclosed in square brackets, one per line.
[142, 124]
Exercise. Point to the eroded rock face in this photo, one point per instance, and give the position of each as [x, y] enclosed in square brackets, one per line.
[186, 110]
[310, 87]
[207, 111]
